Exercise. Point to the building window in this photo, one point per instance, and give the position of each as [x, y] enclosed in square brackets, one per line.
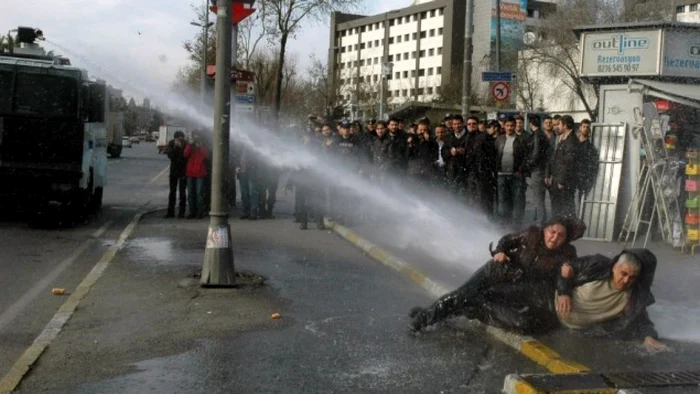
[420, 91]
[343, 33]
[439, 71]
[375, 78]
[413, 55]
[342, 49]
[391, 58]
[406, 37]
[439, 51]
[424, 15]
[349, 48]
[388, 94]
[404, 92]
[391, 40]
[354, 63]
[362, 79]
[439, 31]
[362, 62]
[398, 39]
[431, 52]
[397, 74]
[363, 29]
[430, 90]
[405, 74]
[408, 19]
[391, 22]
[432, 32]
[362, 45]
[432, 13]
[413, 73]
[376, 43]
[396, 92]
[414, 36]
[369, 44]
[438, 89]
[441, 11]
[530, 13]
[430, 71]
[693, 7]
[680, 9]
[399, 21]
[405, 56]
[413, 92]
[376, 60]
[421, 53]
[356, 46]
[423, 34]
[421, 72]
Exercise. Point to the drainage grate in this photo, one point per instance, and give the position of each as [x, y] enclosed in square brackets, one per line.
[623, 380]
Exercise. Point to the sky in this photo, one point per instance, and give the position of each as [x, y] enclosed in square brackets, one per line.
[137, 44]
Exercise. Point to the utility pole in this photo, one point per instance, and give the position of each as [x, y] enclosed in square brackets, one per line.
[468, 52]
[387, 68]
[218, 269]
[498, 35]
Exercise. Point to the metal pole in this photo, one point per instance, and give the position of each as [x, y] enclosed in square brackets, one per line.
[234, 60]
[468, 52]
[218, 269]
[381, 93]
[203, 86]
[498, 35]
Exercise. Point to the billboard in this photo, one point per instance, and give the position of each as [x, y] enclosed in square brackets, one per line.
[513, 17]
[623, 53]
[681, 57]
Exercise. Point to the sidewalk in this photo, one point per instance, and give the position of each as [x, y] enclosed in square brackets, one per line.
[342, 326]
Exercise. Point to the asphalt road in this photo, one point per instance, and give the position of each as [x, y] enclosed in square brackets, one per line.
[34, 260]
[343, 325]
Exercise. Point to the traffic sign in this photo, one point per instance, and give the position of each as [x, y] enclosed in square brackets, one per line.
[244, 99]
[500, 91]
[245, 88]
[490, 76]
[240, 11]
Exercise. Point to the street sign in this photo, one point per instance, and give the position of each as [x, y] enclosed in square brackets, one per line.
[245, 88]
[244, 99]
[500, 91]
[490, 76]
[240, 11]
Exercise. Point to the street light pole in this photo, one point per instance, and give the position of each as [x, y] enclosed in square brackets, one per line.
[468, 53]
[205, 25]
[218, 268]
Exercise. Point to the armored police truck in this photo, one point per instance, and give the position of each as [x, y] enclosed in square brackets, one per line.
[52, 130]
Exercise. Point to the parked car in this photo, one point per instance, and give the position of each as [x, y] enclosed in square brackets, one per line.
[135, 140]
[126, 142]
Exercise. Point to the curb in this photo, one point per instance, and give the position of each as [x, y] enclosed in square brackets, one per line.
[525, 345]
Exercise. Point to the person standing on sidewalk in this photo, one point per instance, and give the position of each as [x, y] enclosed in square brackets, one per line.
[537, 165]
[511, 163]
[562, 173]
[247, 172]
[178, 178]
[196, 154]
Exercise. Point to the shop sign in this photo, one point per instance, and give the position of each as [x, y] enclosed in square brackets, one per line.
[626, 53]
[681, 54]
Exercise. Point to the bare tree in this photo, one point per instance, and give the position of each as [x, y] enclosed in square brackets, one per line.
[283, 18]
[528, 86]
[251, 33]
[190, 75]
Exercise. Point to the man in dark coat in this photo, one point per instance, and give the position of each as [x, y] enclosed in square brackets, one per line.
[562, 170]
[178, 179]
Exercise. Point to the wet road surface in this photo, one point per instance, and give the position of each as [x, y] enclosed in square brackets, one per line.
[35, 260]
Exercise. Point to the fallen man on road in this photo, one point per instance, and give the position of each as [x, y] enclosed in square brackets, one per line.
[595, 294]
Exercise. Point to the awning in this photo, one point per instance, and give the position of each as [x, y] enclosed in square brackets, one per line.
[687, 94]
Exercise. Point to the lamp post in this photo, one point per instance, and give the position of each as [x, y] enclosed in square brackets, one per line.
[387, 69]
[217, 269]
[205, 42]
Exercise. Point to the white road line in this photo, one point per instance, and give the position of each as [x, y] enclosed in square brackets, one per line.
[155, 178]
[15, 309]
[25, 362]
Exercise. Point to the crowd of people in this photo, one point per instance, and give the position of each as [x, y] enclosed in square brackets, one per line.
[487, 165]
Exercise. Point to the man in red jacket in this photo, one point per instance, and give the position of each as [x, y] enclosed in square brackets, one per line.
[196, 154]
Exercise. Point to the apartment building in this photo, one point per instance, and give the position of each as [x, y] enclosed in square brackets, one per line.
[687, 11]
[424, 42]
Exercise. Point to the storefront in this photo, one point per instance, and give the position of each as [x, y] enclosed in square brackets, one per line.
[648, 78]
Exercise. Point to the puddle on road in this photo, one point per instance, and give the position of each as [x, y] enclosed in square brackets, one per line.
[153, 249]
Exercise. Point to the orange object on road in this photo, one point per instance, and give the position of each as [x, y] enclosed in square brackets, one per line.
[58, 291]
[275, 316]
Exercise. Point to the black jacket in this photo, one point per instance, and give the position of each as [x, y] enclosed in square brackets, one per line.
[635, 321]
[178, 162]
[540, 153]
[520, 151]
[564, 165]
